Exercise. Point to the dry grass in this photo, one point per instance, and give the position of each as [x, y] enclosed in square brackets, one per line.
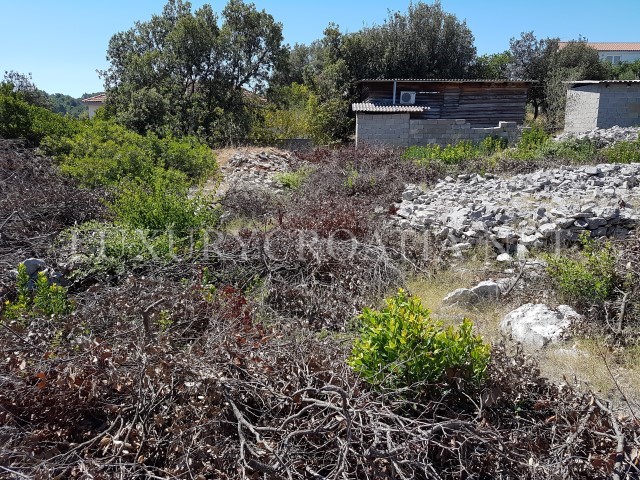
[486, 317]
[589, 364]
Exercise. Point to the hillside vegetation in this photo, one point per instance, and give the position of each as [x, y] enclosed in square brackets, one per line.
[169, 313]
[176, 335]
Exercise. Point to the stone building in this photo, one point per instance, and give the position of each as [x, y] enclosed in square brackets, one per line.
[406, 112]
[602, 104]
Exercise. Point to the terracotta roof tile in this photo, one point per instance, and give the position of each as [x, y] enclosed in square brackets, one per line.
[100, 98]
[610, 46]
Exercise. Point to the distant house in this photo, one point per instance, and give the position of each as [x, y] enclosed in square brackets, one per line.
[405, 112]
[615, 52]
[602, 104]
[95, 102]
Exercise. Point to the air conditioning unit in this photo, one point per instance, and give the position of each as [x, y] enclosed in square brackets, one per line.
[407, 98]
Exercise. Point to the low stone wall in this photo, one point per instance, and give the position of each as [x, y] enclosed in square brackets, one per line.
[398, 129]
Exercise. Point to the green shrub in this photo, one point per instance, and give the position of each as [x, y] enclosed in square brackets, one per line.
[19, 119]
[43, 299]
[293, 180]
[623, 152]
[589, 279]
[449, 155]
[570, 149]
[401, 345]
[103, 153]
[189, 156]
[491, 145]
[532, 139]
[162, 202]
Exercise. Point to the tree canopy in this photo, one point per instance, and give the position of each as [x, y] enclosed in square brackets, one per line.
[184, 72]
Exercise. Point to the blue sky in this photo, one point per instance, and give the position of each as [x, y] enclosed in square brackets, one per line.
[63, 42]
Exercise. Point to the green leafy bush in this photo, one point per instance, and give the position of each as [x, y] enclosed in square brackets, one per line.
[401, 345]
[623, 152]
[588, 279]
[570, 149]
[293, 180]
[104, 152]
[44, 299]
[532, 139]
[491, 145]
[19, 119]
[449, 155]
[162, 202]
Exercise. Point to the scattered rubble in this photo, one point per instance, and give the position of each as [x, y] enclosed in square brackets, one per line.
[258, 169]
[526, 210]
[603, 137]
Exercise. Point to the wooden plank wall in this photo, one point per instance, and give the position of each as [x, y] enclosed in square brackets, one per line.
[482, 104]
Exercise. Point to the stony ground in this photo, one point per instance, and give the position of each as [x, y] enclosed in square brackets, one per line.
[519, 212]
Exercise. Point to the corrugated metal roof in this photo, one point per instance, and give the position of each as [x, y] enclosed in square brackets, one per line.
[371, 107]
[100, 98]
[592, 82]
[445, 80]
[610, 46]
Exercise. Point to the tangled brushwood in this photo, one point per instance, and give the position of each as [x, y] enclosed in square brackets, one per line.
[226, 355]
[190, 385]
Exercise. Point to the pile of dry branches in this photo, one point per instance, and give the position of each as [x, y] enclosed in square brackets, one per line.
[190, 385]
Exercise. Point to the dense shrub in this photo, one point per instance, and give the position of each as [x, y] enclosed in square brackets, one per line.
[570, 149]
[19, 119]
[400, 345]
[103, 153]
[449, 155]
[588, 279]
[162, 202]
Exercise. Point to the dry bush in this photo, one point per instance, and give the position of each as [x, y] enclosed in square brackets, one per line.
[321, 280]
[218, 395]
[36, 203]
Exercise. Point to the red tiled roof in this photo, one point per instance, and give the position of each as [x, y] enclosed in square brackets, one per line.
[371, 107]
[100, 98]
[610, 46]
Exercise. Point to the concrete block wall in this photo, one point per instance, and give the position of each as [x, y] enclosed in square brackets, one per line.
[382, 129]
[399, 130]
[445, 132]
[581, 111]
[619, 105]
[602, 105]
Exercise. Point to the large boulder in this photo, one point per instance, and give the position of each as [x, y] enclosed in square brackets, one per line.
[536, 325]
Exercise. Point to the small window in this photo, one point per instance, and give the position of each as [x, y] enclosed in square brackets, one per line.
[614, 59]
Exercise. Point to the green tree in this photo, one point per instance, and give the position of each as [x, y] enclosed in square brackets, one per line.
[423, 42]
[183, 73]
[575, 61]
[23, 85]
[492, 66]
[623, 70]
[531, 59]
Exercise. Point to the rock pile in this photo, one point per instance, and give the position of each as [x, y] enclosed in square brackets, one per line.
[526, 210]
[257, 169]
[604, 137]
